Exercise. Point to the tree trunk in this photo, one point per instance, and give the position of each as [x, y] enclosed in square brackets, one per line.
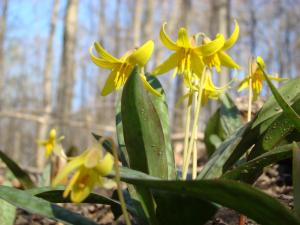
[179, 115]
[47, 85]
[137, 21]
[67, 68]
[3, 15]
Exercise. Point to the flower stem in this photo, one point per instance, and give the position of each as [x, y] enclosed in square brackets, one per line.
[187, 129]
[119, 188]
[195, 125]
[250, 97]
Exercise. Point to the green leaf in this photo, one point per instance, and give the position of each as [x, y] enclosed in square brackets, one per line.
[143, 132]
[7, 213]
[249, 171]
[287, 109]
[178, 209]
[241, 197]
[224, 122]
[35, 205]
[161, 107]
[214, 168]
[20, 174]
[290, 91]
[296, 175]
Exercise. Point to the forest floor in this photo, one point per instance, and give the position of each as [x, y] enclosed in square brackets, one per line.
[276, 181]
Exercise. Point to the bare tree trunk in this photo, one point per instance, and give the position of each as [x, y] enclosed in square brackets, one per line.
[148, 20]
[179, 118]
[137, 21]
[3, 15]
[253, 23]
[67, 69]
[47, 84]
[102, 30]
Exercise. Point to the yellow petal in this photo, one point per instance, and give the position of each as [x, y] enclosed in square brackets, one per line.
[110, 84]
[183, 38]
[197, 64]
[104, 54]
[142, 54]
[149, 87]
[260, 61]
[227, 61]
[93, 157]
[244, 84]
[277, 78]
[101, 62]
[84, 185]
[166, 40]
[105, 165]
[72, 165]
[211, 47]
[167, 65]
[234, 36]
[52, 134]
[71, 184]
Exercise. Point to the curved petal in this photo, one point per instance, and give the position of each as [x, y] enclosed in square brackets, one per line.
[277, 78]
[227, 61]
[167, 65]
[110, 84]
[101, 62]
[104, 54]
[183, 38]
[244, 84]
[149, 87]
[71, 184]
[105, 165]
[166, 40]
[260, 61]
[72, 165]
[211, 47]
[142, 54]
[197, 64]
[234, 36]
[93, 157]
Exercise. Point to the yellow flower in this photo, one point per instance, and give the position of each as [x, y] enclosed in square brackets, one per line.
[90, 167]
[187, 59]
[257, 78]
[52, 144]
[210, 91]
[121, 68]
[220, 58]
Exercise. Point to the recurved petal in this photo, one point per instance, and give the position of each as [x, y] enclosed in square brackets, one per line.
[104, 54]
[244, 84]
[110, 84]
[227, 61]
[101, 62]
[234, 36]
[167, 65]
[260, 61]
[72, 165]
[183, 38]
[149, 87]
[166, 40]
[142, 54]
[276, 78]
[105, 165]
[211, 47]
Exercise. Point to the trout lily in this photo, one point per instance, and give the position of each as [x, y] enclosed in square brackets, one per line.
[187, 59]
[90, 167]
[52, 144]
[121, 68]
[210, 91]
[219, 57]
[257, 78]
